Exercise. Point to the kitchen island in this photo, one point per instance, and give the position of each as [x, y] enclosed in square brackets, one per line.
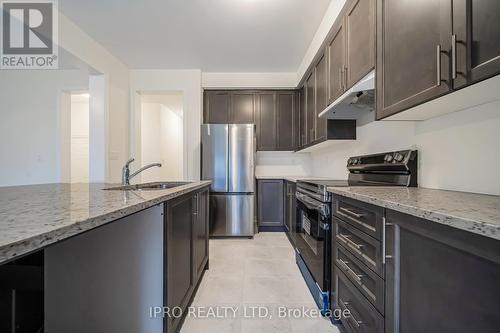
[87, 259]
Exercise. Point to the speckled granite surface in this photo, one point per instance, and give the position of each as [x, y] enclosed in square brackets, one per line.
[477, 213]
[34, 216]
[289, 178]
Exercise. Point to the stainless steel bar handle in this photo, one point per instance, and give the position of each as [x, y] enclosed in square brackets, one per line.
[358, 323]
[350, 243]
[438, 66]
[357, 277]
[345, 78]
[351, 213]
[453, 56]
[341, 78]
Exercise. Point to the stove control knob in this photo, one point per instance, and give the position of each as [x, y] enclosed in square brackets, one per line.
[388, 158]
[399, 157]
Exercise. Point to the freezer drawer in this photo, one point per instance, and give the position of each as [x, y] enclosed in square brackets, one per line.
[231, 215]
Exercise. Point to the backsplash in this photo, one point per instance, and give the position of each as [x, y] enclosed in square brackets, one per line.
[274, 163]
[454, 150]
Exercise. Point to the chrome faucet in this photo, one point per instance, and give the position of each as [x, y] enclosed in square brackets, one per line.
[126, 176]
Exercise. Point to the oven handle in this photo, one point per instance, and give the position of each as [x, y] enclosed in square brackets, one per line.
[309, 203]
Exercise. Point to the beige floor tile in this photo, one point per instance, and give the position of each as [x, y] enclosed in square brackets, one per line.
[258, 272]
[271, 267]
[221, 289]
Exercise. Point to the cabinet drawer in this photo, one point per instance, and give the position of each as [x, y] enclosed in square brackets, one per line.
[365, 248]
[365, 217]
[367, 282]
[363, 316]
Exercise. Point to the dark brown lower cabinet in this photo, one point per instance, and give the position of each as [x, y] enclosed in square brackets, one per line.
[22, 294]
[290, 209]
[186, 251]
[270, 203]
[440, 279]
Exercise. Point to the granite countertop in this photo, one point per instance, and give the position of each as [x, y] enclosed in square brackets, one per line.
[289, 178]
[477, 213]
[34, 216]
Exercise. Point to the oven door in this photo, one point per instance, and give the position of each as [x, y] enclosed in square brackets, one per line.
[312, 239]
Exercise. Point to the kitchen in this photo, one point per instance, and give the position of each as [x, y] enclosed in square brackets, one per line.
[332, 174]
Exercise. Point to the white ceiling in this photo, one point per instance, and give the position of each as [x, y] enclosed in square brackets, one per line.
[211, 35]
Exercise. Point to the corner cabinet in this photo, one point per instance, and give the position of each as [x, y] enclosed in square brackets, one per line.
[440, 279]
[186, 251]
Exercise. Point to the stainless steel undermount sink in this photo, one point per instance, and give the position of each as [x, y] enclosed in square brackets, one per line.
[147, 186]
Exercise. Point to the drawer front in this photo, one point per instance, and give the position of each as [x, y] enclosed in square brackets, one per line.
[365, 217]
[364, 318]
[367, 282]
[365, 248]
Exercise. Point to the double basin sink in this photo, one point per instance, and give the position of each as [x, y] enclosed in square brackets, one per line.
[147, 186]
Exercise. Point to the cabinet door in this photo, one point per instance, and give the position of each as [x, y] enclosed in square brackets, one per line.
[290, 209]
[360, 41]
[476, 37]
[200, 239]
[413, 43]
[321, 98]
[179, 255]
[266, 106]
[310, 107]
[216, 107]
[270, 203]
[242, 107]
[445, 275]
[303, 116]
[286, 120]
[336, 63]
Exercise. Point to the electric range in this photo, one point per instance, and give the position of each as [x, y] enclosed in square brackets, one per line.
[314, 219]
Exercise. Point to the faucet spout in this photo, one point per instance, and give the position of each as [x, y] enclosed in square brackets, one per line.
[152, 165]
[126, 175]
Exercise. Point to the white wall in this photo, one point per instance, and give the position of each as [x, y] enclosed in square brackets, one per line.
[188, 82]
[161, 141]
[249, 80]
[456, 151]
[29, 127]
[116, 103]
[79, 139]
[274, 163]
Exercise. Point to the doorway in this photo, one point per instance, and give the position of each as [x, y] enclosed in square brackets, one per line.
[162, 136]
[79, 145]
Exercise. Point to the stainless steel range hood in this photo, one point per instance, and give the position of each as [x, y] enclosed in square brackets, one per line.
[354, 103]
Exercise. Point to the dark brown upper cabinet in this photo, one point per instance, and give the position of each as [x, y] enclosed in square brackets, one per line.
[475, 41]
[321, 71]
[303, 117]
[266, 121]
[310, 107]
[413, 53]
[216, 107]
[360, 41]
[242, 107]
[336, 63]
[287, 120]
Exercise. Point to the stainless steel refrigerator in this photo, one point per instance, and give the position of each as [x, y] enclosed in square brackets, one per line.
[227, 155]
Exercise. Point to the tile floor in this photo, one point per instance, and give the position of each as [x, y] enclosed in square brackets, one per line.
[245, 275]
